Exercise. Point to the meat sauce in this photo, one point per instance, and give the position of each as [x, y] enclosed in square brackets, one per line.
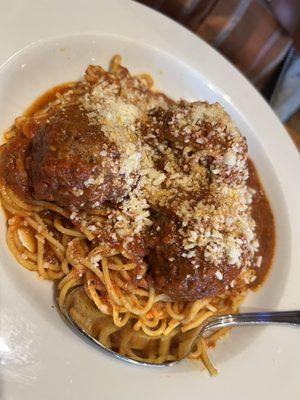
[265, 225]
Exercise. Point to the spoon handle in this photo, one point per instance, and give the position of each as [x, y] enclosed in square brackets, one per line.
[259, 318]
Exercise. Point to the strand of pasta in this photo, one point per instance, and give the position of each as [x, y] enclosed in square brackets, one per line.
[14, 250]
[206, 361]
[41, 229]
[66, 231]
[64, 290]
[40, 261]
[198, 321]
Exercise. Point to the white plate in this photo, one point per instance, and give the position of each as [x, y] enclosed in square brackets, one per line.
[47, 42]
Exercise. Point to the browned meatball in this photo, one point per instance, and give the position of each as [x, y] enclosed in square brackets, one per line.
[208, 130]
[13, 159]
[73, 163]
[181, 276]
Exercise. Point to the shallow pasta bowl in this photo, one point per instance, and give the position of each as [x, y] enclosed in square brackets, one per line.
[36, 348]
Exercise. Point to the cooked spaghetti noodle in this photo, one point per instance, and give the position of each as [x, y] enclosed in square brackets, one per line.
[136, 317]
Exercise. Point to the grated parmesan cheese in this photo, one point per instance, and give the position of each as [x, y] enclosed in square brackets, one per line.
[191, 160]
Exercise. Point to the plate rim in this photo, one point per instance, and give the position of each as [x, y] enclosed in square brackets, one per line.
[284, 143]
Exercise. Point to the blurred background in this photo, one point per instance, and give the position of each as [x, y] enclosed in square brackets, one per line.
[260, 37]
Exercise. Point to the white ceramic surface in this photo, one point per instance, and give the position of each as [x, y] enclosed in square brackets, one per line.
[47, 42]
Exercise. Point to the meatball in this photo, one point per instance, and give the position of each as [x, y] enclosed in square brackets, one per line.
[13, 159]
[73, 163]
[182, 274]
[207, 130]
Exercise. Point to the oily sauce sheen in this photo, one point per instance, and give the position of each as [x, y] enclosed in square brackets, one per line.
[265, 226]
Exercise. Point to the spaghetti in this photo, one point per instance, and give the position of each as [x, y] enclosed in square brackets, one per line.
[135, 316]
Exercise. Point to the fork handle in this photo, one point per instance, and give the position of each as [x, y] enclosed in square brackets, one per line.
[259, 318]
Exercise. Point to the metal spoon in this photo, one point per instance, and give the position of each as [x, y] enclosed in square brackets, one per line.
[78, 306]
